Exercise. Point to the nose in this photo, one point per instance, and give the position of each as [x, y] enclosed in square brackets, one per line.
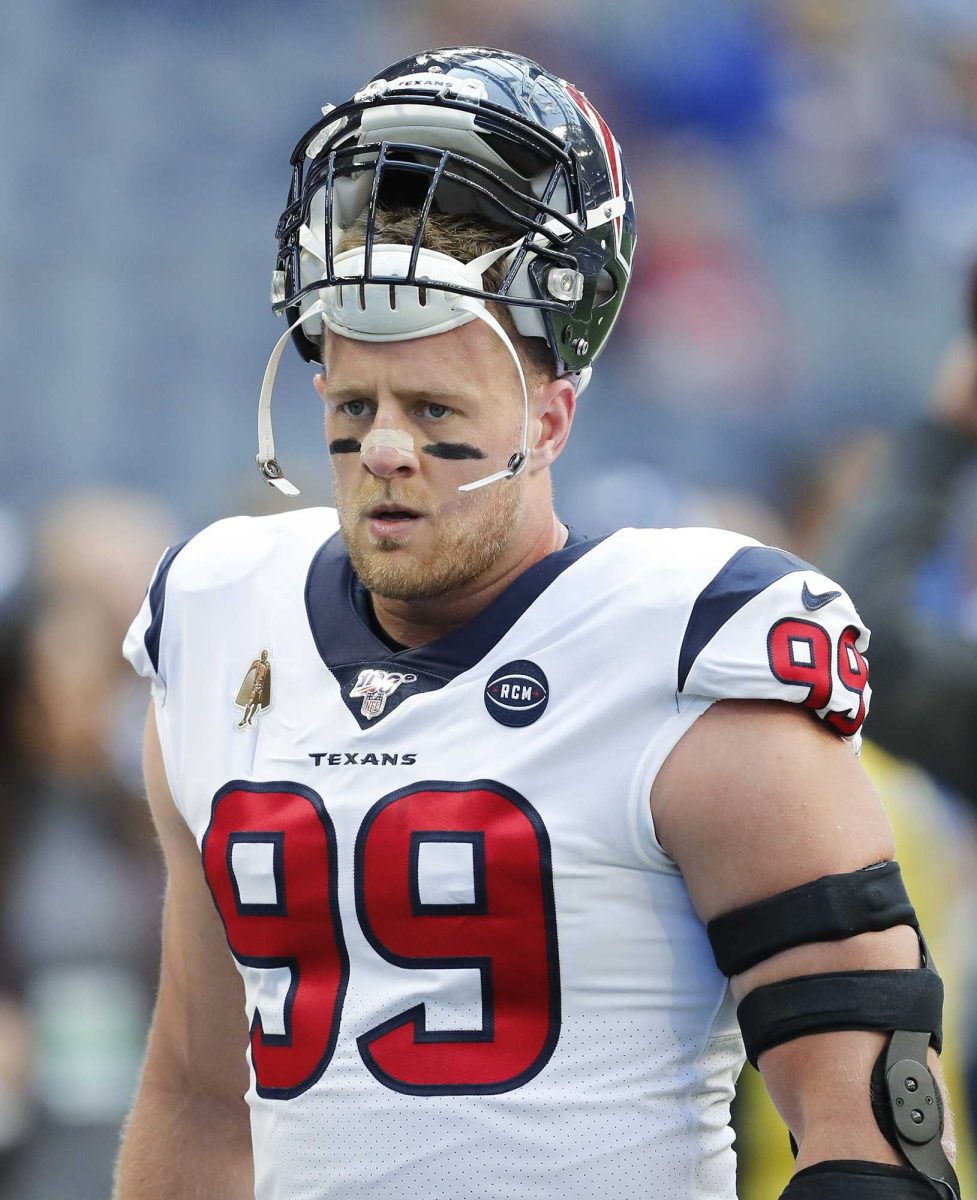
[386, 452]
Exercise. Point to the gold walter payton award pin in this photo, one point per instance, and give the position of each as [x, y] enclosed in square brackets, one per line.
[254, 694]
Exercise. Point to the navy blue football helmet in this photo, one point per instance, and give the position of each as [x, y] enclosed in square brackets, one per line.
[480, 132]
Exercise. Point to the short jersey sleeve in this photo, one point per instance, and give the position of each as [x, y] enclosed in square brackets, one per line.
[142, 645]
[769, 626]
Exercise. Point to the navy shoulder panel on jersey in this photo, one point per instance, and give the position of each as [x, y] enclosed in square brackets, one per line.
[745, 575]
[157, 601]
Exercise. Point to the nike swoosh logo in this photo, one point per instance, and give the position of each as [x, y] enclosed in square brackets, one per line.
[812, 601]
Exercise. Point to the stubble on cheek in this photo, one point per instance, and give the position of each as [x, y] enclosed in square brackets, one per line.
[461, 542]
[460, 539]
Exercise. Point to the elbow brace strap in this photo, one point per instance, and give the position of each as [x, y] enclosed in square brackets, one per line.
[878, 1000]
[827, 909]
[857, 1180]
[906, 1100]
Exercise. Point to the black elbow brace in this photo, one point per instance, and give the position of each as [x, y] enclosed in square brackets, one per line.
[857, 1180]
[907, 1004]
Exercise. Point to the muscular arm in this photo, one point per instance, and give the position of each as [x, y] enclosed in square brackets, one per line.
[755, 799]
[188, 1135]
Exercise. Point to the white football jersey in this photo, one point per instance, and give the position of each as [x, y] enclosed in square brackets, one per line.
[470, 968]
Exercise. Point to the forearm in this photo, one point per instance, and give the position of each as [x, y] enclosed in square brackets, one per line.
[182, 1144]
[835, 1165]
[826, 1129]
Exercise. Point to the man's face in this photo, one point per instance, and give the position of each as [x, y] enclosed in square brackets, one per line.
[411, 534]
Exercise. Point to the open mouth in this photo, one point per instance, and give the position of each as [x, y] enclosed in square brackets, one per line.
[389, 520]
[392, 512]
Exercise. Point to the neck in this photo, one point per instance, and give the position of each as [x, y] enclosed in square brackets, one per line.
[416, 622]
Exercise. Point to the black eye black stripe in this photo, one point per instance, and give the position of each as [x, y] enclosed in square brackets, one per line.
[452, 450]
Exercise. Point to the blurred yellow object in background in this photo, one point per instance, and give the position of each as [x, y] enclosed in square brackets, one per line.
[936, 840]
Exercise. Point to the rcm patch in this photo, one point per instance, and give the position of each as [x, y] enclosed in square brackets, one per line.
[517, 693]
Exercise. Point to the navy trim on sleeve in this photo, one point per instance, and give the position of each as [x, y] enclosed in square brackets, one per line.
[750, 571]
[157, 598]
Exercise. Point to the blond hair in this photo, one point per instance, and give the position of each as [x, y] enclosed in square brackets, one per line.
[463, 238]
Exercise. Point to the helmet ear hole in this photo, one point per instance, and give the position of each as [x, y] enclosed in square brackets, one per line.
[606, 288]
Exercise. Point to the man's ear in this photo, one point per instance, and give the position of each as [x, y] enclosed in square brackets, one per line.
[553, 407]
[319, 383]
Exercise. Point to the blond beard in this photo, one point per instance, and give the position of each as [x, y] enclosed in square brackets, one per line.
[466, 546]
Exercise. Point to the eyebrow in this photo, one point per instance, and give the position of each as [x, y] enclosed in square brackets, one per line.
[354, 391]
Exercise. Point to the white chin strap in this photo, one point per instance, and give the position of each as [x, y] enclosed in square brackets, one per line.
[517, 462]
[380, 312]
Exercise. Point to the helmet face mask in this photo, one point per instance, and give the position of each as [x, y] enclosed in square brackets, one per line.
[480, 133]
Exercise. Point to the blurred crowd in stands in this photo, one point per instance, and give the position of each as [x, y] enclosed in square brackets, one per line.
[806, 182]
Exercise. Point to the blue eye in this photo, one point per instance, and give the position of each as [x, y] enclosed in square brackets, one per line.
[437, 411]
[353, 408]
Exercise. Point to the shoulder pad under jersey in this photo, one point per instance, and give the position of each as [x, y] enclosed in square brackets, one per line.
[227, 554]
[769, 626]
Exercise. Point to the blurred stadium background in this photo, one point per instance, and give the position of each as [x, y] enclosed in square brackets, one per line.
[806, 181]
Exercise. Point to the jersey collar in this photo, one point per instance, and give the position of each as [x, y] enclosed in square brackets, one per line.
[348, 646]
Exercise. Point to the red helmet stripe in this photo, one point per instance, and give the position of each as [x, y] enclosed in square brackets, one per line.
[610, 145]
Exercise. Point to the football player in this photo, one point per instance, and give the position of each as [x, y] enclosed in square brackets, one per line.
[532, 838]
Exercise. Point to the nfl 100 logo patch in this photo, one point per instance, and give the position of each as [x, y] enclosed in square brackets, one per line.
[517, 694]
[374, 686]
